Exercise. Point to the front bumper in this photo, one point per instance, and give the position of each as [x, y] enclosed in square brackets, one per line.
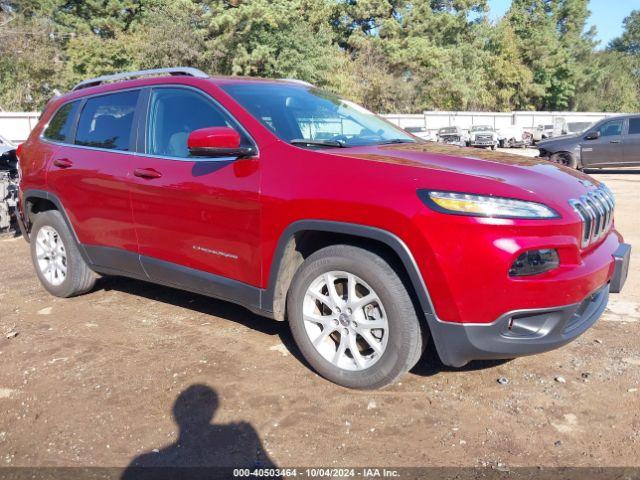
[519, 333]
[527, 332]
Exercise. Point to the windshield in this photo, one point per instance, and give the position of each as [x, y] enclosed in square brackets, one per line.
[446, 130]
[482, 128]
[312, 117]
[579, 127]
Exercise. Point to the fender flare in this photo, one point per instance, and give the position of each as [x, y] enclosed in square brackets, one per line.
[46, 195]
[357, 230]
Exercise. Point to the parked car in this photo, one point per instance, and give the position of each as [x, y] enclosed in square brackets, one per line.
[367, 242]
[484, 136]
[514, 136]
[452, 135]
[612, 142]
[420, 132]
[542, 132]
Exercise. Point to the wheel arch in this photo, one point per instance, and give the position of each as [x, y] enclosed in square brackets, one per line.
[36, 201]
[304, 237]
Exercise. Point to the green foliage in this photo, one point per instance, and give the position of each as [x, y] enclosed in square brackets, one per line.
[390, 55]
[629, 42]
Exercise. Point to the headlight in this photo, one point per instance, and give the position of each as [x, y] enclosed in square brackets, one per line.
[485, 205]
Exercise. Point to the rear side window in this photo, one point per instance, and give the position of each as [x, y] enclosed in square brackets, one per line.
[106, 121]
[176, 112]
[60, 125]
[634, 126]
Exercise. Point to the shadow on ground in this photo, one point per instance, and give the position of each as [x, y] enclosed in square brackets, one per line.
[203, 449]
[428, 365]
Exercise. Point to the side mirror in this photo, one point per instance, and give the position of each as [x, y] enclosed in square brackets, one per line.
[217, 142]
[592, 135]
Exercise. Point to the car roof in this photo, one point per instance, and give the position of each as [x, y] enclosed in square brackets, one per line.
[126, 84]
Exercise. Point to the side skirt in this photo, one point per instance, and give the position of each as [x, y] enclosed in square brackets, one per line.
[114, 261]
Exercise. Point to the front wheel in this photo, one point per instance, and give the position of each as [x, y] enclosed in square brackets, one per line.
[566, 159]
[353, 319]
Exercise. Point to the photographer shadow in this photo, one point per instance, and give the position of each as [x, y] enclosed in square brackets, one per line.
[203, 449]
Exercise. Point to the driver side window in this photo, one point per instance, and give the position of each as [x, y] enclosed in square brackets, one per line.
[176, 112]
[612, 128]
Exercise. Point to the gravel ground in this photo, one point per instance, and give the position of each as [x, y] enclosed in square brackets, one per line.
[130, 368]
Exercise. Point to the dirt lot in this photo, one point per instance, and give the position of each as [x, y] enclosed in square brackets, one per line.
[92, 381]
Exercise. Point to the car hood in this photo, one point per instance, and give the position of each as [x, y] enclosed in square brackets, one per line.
[552, 143]
[446, 167]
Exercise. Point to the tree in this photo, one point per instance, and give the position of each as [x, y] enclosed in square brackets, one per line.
[29, 61]
[629, 42]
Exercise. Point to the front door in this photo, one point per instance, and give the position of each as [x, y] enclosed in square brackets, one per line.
[607, 149]
[193, 215]
[632, 143]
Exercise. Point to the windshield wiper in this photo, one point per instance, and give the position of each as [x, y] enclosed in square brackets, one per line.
[397, 140]
[317, 143]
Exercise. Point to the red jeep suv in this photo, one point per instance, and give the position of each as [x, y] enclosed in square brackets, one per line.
[299, 205]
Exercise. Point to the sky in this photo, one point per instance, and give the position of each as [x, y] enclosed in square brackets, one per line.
[606, 15]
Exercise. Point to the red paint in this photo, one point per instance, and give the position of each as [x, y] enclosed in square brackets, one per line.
[214, 137]
[241, 208]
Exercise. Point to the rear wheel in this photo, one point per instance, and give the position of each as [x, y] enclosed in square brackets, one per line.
[353, 319]
[58, 263]
[566, 159]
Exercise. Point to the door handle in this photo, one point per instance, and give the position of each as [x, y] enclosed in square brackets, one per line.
[148, 173]
[63, 163]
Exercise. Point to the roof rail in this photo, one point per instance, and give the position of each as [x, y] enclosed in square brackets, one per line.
[188, 71]
[299, 82]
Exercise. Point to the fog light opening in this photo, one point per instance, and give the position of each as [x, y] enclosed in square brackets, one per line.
[534, 262]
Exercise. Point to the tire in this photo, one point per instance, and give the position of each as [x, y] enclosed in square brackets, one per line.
[68, 274]
[566, 159]
[399, 344]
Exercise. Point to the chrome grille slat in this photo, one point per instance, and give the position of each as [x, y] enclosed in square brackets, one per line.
[596, 210]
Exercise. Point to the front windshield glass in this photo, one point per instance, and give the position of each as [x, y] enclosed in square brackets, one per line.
[482, 128]
[312, 117]
[448, 130]
[579, 127]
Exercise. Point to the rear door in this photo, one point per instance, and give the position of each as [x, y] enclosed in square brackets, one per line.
[89, 173]
[194, 212]
[608, 148]
[632, 142]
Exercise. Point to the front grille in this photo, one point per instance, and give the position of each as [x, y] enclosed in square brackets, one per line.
[596, 211]
[484, 138]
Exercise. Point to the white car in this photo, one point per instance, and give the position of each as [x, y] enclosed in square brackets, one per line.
[421, 132]
[514, 136]
[483, 136]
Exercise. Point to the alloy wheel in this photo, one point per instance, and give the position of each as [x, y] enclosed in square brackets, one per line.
[51, 255]
[345, 320]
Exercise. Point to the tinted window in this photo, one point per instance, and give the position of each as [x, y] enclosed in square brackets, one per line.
[60, 125]
[176, 112]
[634, 126]
[612, 128]
[105, 121]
